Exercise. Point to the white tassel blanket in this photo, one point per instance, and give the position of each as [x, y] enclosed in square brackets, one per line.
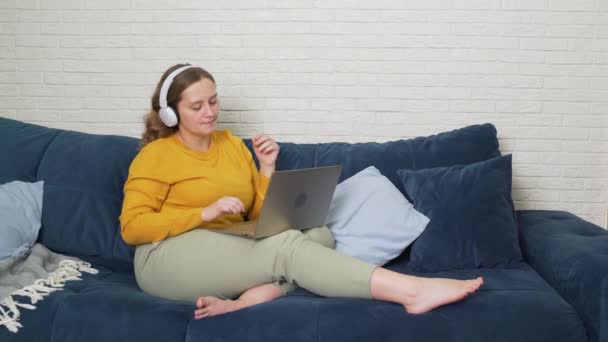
[27, 279]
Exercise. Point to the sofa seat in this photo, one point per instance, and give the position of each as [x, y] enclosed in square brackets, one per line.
[514, 305]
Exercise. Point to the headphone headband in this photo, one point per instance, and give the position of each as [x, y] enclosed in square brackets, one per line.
[164, 89]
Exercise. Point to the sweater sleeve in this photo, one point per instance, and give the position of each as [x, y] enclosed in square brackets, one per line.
[260, 185]
[144, 193]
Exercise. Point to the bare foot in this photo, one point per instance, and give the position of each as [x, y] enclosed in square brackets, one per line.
[435, 292]
[212, 306]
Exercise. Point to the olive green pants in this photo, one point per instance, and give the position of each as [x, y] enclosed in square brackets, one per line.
[206, 263]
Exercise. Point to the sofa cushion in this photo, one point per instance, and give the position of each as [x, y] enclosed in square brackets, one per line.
[113, 308]
[472, 216]
[291, 155]
[107, 306]
[20, 217]
[371, 220]
[460, 146]
[84, 176]
[513, 305]
[37, 324]
[23, 146]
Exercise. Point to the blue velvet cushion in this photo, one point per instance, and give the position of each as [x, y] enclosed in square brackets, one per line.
[371, 220]
[20, 215]
[472, 217]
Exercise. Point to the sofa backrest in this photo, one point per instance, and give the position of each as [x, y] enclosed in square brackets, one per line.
[83, 178]
[84, 173]
[460, 146]
[22, 147]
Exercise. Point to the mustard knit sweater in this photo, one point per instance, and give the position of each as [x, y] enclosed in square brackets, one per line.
[169, 184]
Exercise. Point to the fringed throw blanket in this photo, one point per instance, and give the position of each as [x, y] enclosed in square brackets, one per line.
[31, 277]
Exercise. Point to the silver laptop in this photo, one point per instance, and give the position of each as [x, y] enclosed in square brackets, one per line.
[295, 199]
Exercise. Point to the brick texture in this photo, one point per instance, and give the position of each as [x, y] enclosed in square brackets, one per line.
[335, 70]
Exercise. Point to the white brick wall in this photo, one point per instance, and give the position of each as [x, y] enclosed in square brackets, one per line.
[311, 71]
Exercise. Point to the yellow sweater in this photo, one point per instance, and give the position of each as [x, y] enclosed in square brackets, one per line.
[169, 184]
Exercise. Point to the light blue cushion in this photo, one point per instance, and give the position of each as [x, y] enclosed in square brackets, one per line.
[20, 217]
[370, 218]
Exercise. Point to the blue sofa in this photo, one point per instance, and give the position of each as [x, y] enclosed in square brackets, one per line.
[559, 292]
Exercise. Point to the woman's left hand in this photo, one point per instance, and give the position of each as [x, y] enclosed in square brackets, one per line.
[266, 149]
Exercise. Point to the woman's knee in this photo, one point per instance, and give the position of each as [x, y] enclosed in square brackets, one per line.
[199, 263]
[284, 237]
[321, 235]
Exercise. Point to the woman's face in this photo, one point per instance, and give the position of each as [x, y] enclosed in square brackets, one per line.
[199, 108]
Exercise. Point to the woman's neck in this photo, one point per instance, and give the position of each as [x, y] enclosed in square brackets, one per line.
[194, 142]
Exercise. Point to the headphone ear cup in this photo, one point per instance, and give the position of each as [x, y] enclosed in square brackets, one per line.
[176, 112]
[168, 116]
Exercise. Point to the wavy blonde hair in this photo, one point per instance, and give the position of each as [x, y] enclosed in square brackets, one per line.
[155, 128]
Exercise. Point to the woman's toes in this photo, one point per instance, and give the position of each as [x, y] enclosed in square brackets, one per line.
[200, 302]
[473, 285]
[200, 313]
[211, 306]
[438, 292]
[475, 282]
[206, 301]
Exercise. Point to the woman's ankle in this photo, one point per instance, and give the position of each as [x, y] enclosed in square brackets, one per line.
[259, 294]
[394, 287]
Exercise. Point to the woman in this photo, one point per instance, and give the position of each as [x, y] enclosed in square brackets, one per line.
[190, 179]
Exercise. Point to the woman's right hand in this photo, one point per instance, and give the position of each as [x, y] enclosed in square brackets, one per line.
[224, 205]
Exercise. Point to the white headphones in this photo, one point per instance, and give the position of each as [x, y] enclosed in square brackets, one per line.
[166, 113]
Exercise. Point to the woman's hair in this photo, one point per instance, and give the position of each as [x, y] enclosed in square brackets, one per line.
[155, 128]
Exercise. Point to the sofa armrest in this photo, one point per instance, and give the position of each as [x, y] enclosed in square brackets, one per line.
[603, 332]
[571, 254]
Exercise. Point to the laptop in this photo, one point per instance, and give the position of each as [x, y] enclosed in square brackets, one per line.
[295, 199]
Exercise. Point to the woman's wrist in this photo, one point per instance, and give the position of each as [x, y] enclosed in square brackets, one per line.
[267, 170]
[205, 215]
